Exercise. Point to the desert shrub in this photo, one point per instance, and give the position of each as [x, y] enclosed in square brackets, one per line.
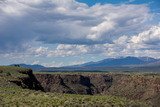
[1, 71]
[8, 74]
[25, 71]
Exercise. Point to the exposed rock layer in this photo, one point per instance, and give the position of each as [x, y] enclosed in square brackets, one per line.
[132, 86]
[28, 80]
[144, 87]
[75, 84]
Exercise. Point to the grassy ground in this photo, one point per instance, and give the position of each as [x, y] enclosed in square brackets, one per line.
[12, 95]
[11, 71]
[15, 97]
[10, 74]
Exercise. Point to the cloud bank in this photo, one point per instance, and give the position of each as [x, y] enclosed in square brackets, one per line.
[147, 42]
[62, 28]
[67, 22]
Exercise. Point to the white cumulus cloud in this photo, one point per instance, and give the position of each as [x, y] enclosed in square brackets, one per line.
[66, 22]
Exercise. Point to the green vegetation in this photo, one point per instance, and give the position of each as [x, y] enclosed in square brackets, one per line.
[12, 95]
[28, 98]
[14, 72]
[8, 74]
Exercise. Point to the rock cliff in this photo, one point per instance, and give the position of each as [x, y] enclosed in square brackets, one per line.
[144, 87]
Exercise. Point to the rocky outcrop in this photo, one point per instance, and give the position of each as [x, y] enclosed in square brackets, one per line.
[27, 80]
[135, 86]
[144, 87]
[75, 84]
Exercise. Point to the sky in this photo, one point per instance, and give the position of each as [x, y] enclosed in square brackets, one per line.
[68, 32]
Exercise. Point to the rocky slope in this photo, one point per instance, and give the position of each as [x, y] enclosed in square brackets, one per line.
[29, 81]
[144, 87]
[16, 76]
[75, 84]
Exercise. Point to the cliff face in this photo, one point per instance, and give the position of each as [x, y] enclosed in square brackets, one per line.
[144, 87]
[27, 80]
[135, 86]
[75, 84]
[132, 86]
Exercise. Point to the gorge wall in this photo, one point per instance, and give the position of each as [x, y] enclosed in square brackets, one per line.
[145, 87]
[136, 86]
[75, 84]
[133, 86]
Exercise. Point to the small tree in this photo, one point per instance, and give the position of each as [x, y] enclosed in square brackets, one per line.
[1, 71]
[8, 74]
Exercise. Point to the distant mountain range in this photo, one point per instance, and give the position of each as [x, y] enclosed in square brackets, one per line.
[121, 62]
[110, 64]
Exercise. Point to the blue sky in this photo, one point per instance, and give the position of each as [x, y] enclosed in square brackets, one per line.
[153, 4]
[93, 2]
[68, 32]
